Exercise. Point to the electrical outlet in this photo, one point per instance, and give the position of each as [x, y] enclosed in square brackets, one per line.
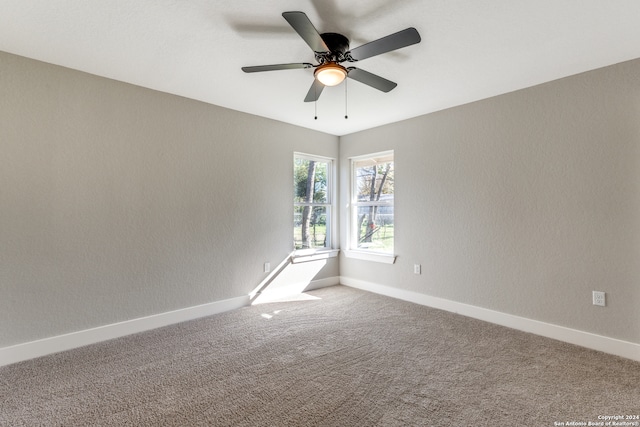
[599, 298]
[267, 267]
[416, 269]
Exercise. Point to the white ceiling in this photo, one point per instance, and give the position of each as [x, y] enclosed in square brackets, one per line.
[470, 49]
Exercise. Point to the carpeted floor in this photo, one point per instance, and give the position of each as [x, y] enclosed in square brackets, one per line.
[342, 357]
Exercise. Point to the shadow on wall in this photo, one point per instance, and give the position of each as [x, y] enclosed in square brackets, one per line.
[288, 281]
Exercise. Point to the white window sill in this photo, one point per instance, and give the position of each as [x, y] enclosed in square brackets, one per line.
[305, 255]
[371, 256]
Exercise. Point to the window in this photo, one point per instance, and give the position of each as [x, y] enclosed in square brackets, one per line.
[372, 224]
[312, 196]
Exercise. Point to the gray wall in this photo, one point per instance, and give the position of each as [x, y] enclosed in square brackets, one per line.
[523, 203]
[118, 202]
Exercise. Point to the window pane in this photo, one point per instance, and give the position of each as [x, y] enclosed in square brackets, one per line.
[374, 228]
[310, 181]
[372, 224]
[310, 227]
[374, 181]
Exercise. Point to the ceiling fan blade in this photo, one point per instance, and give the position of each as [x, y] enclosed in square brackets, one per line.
[303, 26]
[259, 68]
[370, 79]
[386, 44]
[314, 91]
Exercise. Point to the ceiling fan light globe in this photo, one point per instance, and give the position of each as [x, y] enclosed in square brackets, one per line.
[330, 74]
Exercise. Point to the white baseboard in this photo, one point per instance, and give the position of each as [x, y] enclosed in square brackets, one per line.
[33, 349]
[613, 346]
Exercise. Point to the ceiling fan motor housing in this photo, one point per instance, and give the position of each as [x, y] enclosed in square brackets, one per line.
[338, 47]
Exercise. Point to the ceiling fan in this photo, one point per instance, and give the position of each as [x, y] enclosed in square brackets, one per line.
[332, 49]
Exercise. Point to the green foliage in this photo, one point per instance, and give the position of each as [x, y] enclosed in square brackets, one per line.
[301, 174]
[374, 174]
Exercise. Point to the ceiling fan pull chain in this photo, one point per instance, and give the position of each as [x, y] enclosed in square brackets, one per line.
[346, 115]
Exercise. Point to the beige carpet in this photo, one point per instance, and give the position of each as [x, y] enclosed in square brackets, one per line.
[345, 358]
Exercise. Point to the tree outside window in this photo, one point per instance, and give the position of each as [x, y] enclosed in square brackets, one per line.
[312, 202]
[372, 213]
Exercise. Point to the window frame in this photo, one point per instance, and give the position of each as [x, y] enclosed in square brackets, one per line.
[353, 251]
[330, 233]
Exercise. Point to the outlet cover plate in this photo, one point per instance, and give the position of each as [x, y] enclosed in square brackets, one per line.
[599, 298]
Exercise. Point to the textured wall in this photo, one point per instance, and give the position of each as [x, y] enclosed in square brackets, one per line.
[118, 202]
[522, 203]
